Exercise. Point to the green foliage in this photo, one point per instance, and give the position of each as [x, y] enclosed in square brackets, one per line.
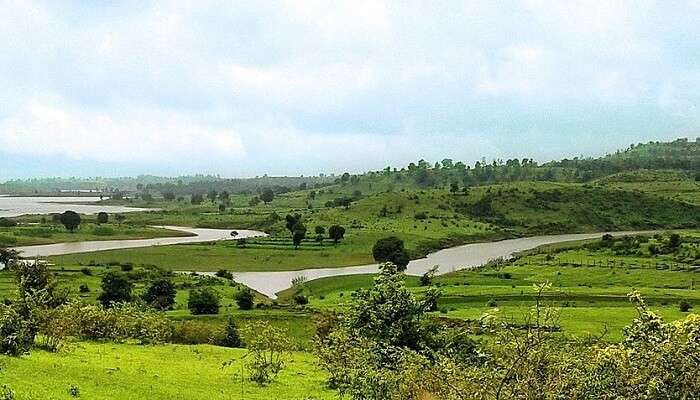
[267, 195]
[160, 294]
[336, 233]
[391, 249]
[123, 321]
[102, 217]
[70, 219]
[203, 301]
[7, 223]
[116, 288]
[268, 349]
[16, 334]
[231, 337]
[103, 231]
[244, 298]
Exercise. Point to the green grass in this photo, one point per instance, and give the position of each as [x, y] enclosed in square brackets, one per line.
[589, 287]
[29, 235]
[167, 372]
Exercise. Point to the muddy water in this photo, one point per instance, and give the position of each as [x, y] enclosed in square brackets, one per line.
[15, 206]
[447, 260]
[198, 235]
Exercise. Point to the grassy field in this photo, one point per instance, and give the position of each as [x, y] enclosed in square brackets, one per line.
[29, 235]
[126, 372]
[426, 219]
[589, 286]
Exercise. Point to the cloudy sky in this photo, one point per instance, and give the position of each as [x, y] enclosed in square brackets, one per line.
[242, 88]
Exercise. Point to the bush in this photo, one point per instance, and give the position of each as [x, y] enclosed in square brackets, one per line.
[84, 288]
[103, 231]
[300, 299]
[420, 215]
[684, 306]
[15, 334]
[268, 348]
[160, 294]
[203, 301]
[86, 271]
[118, 323]
[6, 393]
[127, 267]
[116, 288]
[231, 336]
[391, 249]
[197, 332]
[244, 298]
[222, 273]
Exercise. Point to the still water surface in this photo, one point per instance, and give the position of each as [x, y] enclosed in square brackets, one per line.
[16, 206]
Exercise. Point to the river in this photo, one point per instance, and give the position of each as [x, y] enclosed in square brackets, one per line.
[15, 206]
[271, 283]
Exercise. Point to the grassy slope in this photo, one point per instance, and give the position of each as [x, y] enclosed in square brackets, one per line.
[488, 212]
[170, 372]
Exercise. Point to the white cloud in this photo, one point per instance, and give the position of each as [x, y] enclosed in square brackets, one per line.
[42, 127]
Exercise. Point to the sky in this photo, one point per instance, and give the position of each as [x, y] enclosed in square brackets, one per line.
[244, 88]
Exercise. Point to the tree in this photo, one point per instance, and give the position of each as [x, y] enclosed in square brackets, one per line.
[116, 288]
[336, 233]
[7, 255]
[254, 201]
[160, 294]
[203, 301]
[231, 337]
[169, 196]
[454, 187]
[391, 249]
[244, 298]
[196, 199]
[70, 219]
[225, 197]
[212, 195]
[102, 217]
[267, 195]
[320, 230]
[674, 241]
[291, 221]
[298, 235]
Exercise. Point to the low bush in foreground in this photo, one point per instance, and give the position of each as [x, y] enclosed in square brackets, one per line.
[385, 347]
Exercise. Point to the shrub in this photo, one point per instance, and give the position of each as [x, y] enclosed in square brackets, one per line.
[86, 271]
[231, 336]
[300, 299]
[684, 306]
[116, 288]
[103, 231]
[203, 301]
[84, 288]
[15, 335]
[118, 323]
[6, 393]
[420, 215]
[391, 249]
[197, 332]
[222, 273]
[244, 298]
[160, 294]
[268, 348]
